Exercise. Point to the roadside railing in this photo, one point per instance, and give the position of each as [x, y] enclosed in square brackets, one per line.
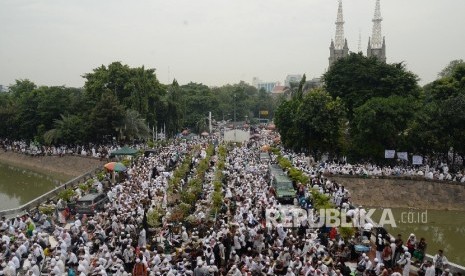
[35, 203]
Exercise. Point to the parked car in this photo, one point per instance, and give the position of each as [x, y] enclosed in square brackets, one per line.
[90, 203]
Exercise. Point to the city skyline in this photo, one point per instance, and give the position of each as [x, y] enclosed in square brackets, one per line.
[217, 42]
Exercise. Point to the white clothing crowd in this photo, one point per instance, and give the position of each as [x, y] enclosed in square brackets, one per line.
[237, 241]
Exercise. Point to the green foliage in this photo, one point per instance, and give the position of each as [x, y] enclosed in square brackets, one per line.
[381, 123]
[154, 217]
[449, 70]
[86, 186]
[346, 232]
[47, 209]
[217, 200]
[321, 201]
[66, 194]
[133, 126]
[275, 150]
[284, 163]
[107, 116]
[126, 162]
[185, 208]
[101, 176]
[298, 176]
[189, 197]
[356, 79]
[320, 119]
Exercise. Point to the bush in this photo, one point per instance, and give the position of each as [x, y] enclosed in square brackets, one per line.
[284, 162]
[101, 176]
[84, 187]
[185, 208]
[321, 201]
[154, 218]
[217, 199]
[46, 209]
[126, 162]
[188, 197]
[66, 194]
[298, 176]
[346, 233]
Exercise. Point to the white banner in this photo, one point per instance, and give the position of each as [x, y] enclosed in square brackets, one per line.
[417, 160]
[402, 156]
[389, 153]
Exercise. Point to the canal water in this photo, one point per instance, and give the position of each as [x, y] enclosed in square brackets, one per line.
[19, 186]
[441, 229]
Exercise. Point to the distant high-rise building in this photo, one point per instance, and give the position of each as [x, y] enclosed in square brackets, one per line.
[377, 43]
[267, 85]
[292, 78]
[338, 48]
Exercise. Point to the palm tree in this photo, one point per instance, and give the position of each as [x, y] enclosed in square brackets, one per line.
[133, 126]
[68, 129]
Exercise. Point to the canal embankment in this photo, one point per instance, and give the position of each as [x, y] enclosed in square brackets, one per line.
[73, 170]
[397, 192]
[60, 168]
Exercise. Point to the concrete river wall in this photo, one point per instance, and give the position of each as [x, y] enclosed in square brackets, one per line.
[404, 193]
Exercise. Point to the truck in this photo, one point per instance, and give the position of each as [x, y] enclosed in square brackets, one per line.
[282, 185]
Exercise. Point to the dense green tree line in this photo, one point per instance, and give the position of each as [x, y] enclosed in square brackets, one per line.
[123, 102]
[367, 106]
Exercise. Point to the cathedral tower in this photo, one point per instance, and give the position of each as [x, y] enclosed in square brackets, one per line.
[377, 44]
[338, 48]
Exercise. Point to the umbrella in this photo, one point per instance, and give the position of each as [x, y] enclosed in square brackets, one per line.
[115, 166]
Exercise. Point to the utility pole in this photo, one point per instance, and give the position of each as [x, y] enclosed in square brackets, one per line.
[235, 117]
[234, 111]
[210, 122]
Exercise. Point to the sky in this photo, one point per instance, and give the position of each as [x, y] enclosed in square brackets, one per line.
[216, 42]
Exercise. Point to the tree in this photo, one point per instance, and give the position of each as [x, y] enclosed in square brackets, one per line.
[438, 129]
[106, 117]
[22, 87]
[381, 123]
[450, 68]
[285, 120]
[70, 129]
[356, 79]
[134, 88]
[133, 126]
[198, 101]
[175, 108]
[320, 119]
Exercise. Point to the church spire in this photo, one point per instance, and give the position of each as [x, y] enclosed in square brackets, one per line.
[338, 48]
[377, 44]
[377, 39]
[339, 40]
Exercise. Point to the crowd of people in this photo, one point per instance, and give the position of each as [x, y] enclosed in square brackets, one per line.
[36, 149]
[439, 171]
[237, 241]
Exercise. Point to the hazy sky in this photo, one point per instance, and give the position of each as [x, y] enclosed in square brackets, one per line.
[54, 42]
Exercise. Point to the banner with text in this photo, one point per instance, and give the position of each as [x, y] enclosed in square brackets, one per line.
[417, 160]
[389, 153]
[402, 156]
